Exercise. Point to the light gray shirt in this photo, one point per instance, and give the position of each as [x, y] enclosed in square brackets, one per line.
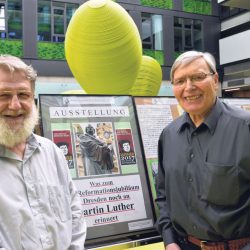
[39, 205]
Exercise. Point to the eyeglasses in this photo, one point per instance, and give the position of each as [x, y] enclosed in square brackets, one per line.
[22, 95]
[194, 78]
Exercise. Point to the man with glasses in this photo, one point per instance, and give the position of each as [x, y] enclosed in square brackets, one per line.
[39, 205]
[204, 164]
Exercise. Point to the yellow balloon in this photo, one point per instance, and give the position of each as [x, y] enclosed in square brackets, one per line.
[148, 81]
[74, 91]
[103, 48]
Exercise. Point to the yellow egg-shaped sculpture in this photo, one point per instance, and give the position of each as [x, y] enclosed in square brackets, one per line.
[75, 91]
[148, 81]
[103, 48]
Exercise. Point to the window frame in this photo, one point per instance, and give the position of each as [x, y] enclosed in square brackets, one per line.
[183, 30]
[55, 37]
[148, 19]
[5, 33]
[151, 44]
[4, 18]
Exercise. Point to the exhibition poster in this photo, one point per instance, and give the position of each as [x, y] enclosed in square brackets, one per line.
[243, 103]
[99, 138]
[154, 114]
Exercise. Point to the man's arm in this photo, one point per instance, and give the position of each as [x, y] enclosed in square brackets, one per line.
[79, 228]
[164, 224]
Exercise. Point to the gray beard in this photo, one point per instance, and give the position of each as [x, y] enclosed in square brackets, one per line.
[11, 137]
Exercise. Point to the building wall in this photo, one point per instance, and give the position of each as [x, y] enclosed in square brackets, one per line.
[59, 68]
[234, 48]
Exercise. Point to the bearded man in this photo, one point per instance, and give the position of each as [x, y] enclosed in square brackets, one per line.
[40, 207]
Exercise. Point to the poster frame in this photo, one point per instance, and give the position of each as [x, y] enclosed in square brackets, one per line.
[98, 239]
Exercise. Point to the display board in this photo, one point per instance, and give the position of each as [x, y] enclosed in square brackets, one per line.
[99, 137]
[243, 103]
[154, 114]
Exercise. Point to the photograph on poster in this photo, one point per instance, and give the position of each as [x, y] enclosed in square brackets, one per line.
[126, 146]
[62, 139]
[95, 148]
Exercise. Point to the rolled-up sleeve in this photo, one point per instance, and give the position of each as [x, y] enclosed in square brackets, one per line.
[79, 228]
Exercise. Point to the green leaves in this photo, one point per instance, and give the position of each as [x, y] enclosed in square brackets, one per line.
[11, 47]
[164, 4]
[197, 6]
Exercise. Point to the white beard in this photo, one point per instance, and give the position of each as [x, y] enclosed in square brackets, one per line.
[10, 137]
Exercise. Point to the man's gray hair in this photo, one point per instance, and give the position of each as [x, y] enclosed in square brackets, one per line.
[189, 56]
[15, 64]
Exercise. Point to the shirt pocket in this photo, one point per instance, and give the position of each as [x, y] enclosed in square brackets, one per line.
[220, 184]
[59, 200]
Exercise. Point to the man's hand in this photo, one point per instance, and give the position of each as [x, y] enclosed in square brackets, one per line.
[173, 246]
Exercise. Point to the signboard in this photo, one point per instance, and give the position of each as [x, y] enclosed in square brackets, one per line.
[154, 114]
[99, 137]
[243, 103]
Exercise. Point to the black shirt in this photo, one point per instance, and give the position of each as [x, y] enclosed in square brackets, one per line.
[204, 176]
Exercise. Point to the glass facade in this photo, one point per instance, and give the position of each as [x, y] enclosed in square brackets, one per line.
[14, 19]
[2, 20]
[44, 21]
[53, 19]
[188, 34]
[11, 19]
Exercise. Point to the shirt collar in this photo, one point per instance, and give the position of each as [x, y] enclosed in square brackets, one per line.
[185, 121]
[31, 145]
[32, 141]
[213, 117]
[210, 121]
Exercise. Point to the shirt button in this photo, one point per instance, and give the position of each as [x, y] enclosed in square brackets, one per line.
[195, 133]
[35, 213]
[191, 155]
[194, 227]
[190, 179]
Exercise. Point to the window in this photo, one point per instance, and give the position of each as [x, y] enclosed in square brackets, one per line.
[2, 20]
[44, 20]
[14, 19]
[59, 23]
[152, 31]
[53, 20]
[11, 19]
[188, 34]
[70, 10]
